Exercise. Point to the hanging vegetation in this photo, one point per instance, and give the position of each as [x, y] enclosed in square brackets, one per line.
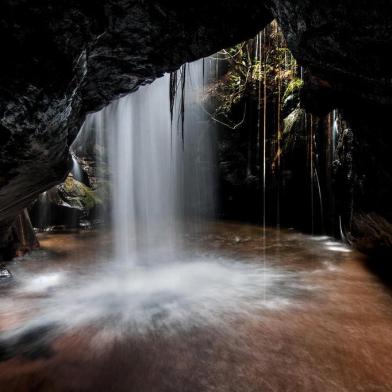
[270, 149]
[262, 62]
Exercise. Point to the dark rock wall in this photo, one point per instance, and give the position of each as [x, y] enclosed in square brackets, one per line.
[21, 238]
[365, 189]
[344, 43]
[345, 48]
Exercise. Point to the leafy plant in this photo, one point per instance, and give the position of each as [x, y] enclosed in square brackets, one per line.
[259, 69]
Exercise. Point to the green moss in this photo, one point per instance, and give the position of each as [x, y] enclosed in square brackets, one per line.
[78, 195]
[253, 70]
[294, 129]
[294, 86]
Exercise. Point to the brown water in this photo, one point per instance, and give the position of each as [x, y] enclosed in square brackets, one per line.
[293, 313]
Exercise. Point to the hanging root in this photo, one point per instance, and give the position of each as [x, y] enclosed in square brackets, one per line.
[182, 106]
[172, 92]
[174, 82]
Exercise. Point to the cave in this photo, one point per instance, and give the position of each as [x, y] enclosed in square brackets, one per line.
[195, 197]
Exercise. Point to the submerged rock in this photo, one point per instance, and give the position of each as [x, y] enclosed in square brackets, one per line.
[4, 273]
[32, 344]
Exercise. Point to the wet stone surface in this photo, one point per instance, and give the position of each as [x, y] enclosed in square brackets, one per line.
[4, 273]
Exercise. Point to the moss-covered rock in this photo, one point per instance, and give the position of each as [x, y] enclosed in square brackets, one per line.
[74, 194]
[291, 96]
[293, 87]
[294, 130]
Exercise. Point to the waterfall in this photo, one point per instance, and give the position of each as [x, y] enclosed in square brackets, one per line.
[76, 169]
[43, 211]
[143, 203]
[161, 180]
[335, 130]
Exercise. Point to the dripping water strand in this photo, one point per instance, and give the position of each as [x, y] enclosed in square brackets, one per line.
[263, 58]
[316, 176]
[335, 128]
[314, 163]
[203, 74]
[279, 136]
[311, 152]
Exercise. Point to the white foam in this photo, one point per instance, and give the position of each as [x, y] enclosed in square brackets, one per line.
[168, 297]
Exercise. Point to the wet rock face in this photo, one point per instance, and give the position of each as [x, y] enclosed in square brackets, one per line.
[4, 273]
[364, 179]
[344, 47]
[344, 44]
[65, 206]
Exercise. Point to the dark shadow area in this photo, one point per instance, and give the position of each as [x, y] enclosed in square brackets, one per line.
[380, 265]
[32, 344]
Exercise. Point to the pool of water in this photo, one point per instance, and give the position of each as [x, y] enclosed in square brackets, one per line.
[232, 310]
